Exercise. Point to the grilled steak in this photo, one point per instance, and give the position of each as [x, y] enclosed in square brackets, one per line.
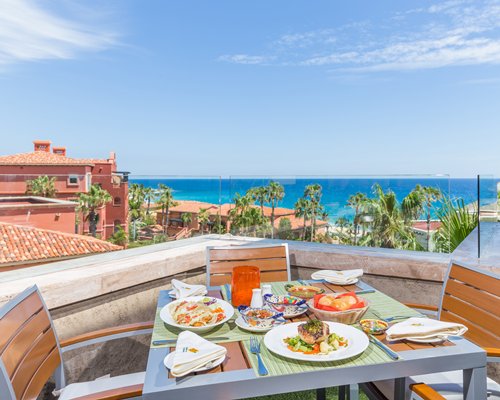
[313, 331]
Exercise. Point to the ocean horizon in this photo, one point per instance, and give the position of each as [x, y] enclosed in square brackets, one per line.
[336, 191]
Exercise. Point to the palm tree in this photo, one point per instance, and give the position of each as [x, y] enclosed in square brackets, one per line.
[389, 228]
[342, 222]
[42, 186]
[261, 195]
[275, 193]
[303, 210]
[186, 219]
[203, 218]
[357, 202]
[314, 193]
[149, 194]
[457, 222]
[90, 202]
[430, 195]
[166, 201]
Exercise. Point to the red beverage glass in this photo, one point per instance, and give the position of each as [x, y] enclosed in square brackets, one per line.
[244, 279]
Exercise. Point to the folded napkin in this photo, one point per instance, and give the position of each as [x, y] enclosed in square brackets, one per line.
[182, 289]
[193, 352]
[424, 328]
[338, 277]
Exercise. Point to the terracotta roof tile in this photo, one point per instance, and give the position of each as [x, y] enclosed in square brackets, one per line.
[46, 158]
[22, 243]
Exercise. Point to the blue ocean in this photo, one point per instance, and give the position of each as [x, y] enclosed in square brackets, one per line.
[336, 191]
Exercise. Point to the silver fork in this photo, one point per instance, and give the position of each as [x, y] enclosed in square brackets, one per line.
[255, 349]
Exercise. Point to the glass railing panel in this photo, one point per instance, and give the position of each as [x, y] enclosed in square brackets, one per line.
[400, 212]
[164, 208]
[488, 192]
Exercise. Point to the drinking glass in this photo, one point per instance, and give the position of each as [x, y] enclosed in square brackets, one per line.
[244, 279]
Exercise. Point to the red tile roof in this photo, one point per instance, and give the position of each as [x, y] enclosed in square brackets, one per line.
[192, 206]
[46, 158]
[422, 225]
[20, 244]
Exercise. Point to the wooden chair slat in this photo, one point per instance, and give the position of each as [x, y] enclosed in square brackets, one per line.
[24, 340]
[476, 279]
[244, 253]
[272, 264]
[219, 280]
[476, 297]
[265, 276]
[16, 317]
[476, 334]
[32, 361]
[273, 276]
[472, 314]
[41, 375]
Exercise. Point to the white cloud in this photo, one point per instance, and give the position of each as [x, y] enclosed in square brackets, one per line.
[450, 33]
[30, 32]
[244, 59]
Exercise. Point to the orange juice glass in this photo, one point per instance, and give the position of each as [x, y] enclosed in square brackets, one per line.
[244, 279]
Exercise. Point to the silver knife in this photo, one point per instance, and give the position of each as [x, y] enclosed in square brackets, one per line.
[174, 341]
[382, 346]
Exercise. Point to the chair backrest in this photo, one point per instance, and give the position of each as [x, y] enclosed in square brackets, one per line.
[472, 297]
[272, 260]
[29, 348]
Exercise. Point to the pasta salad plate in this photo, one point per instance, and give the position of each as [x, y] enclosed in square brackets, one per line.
[197, 313]
[316, 341]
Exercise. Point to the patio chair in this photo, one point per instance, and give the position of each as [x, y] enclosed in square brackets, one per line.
[30, 353]
[272, 260]
[471, 297]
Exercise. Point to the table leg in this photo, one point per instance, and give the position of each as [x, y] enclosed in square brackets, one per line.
[353, 392]
[321, 394]
[399, 388]
[475, 383]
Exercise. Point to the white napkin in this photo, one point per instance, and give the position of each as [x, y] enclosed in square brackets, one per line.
[182, 289]
[424, 328]
[338, 277]
[192, 352]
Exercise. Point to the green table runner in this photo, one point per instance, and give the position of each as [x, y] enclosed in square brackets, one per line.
[383, 305]
[278, 365]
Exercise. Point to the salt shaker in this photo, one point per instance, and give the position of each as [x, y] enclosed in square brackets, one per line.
[266, 289]
[256, 299]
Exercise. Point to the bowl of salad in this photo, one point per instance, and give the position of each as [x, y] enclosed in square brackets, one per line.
[260, 317]
[290, 306]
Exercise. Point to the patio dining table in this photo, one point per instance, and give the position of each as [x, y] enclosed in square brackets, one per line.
[237, 377]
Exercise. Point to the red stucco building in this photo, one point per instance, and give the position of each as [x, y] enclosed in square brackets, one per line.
[73, 176]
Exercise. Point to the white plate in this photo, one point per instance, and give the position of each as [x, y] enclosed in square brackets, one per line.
[172, 295]
[166, 316]
[318, 276]
[169, 362]
[357, 342]
[426, 340]
[240, 322]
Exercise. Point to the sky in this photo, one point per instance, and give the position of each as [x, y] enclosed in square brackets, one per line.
[282, 87]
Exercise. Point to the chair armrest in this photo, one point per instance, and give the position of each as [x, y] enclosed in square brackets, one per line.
[492, 351]
[115, 394]
[425, 392]
[421, 306]
[107, 333]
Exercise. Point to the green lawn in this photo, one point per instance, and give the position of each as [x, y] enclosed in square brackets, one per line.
[331, 394]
